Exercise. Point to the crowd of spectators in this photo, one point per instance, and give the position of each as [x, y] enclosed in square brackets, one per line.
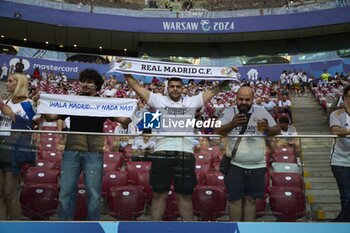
[190, 4]
[273, 96]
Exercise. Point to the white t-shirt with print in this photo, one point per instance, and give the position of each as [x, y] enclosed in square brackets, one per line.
[171, 114]
[340, 152]
[251, 150]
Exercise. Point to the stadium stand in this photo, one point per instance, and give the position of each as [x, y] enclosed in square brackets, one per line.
[125, 183]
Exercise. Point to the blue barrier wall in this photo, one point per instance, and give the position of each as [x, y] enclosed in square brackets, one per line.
[171, 227]
[72, 69]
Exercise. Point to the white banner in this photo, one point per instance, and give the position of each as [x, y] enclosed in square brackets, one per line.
[86, 105]
[168, 69]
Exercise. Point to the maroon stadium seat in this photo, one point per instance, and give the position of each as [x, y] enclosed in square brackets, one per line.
[50, 139]
[287, 203]
[260, 208]
[127, 152]
[45, 164]
[113, 178]
[39, 201]
[284, 150]
[203, 159]
[126, 202]
[209, 202]
[39, 175]
[109, 166]
[283, 157]
[216, 153]
[285, 179]
[215, 178]
[81, 204]
[143, 180]
[171, 210]
[134, 168]
[201, 170]
[55, 156]
[114, 157]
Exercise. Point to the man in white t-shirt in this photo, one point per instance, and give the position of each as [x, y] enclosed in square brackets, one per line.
[339, 124]
[245, 179]
[173, 160]
[284, 106]
[269, 104]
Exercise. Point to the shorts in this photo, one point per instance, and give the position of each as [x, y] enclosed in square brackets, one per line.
[296, 86]
[241, 182]
[7, 167]
[173, 167]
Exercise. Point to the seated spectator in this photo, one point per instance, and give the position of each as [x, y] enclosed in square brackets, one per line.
[287, 130]
[110, 91]
[269, 105]
[143, 145]
[284, 106]
[129, 128]
[258, 101]
[120, 92]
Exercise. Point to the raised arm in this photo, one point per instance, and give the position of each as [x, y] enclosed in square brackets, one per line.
[207, 95]
[137, 87]
[215, 90]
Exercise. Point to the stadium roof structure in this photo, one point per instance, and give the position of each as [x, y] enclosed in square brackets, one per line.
[42, 27]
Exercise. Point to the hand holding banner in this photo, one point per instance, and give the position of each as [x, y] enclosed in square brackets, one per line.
[168, 69]
[86, 105]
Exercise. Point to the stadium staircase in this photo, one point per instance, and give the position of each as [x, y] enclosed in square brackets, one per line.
[321, 192]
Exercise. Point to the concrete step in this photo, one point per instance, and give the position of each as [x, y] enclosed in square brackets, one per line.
[321, 185]
[323, 192]
[313, 180]
[319, 159]
[317, 169]
[326, 145]
[323, 215]
[318, 144]
[315, 150]
[318, 155]
[326, 206]
[315, 164]
[309, 174]
[322, 199]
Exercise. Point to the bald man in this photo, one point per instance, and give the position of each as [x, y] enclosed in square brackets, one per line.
[245, 179]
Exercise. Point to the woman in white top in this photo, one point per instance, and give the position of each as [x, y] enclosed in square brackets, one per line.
[16, 113]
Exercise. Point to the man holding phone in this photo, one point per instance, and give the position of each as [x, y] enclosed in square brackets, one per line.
[245, 180]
